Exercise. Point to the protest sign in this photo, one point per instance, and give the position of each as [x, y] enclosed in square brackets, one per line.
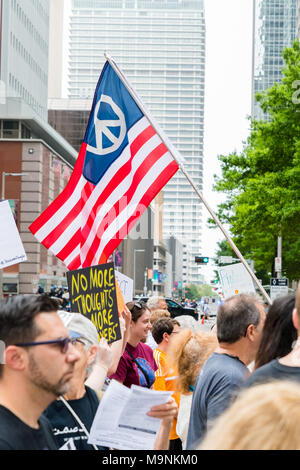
[235, 279]
[93, 293]
[126, 286]
[120, 298]
[11, 247]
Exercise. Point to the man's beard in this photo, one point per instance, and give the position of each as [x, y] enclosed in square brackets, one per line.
[38, 379]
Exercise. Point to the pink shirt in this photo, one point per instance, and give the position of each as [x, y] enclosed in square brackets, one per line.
[129, 373]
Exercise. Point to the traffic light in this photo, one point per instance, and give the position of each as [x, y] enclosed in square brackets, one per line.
[201, 259]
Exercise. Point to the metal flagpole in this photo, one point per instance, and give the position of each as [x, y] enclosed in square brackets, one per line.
[177, 157]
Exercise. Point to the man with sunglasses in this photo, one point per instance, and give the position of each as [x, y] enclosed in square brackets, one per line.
[71, 416]
[240, 323]
[37, 365]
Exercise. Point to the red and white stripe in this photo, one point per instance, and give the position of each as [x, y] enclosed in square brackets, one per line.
[85, 223]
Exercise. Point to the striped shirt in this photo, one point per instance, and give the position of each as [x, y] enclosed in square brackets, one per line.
[165, 379]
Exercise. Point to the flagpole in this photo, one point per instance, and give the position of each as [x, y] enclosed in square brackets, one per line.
[178, 159]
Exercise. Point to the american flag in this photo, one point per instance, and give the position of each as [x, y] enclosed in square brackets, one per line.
[122, 165]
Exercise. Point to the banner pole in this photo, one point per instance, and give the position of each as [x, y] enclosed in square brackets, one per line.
[177, 157]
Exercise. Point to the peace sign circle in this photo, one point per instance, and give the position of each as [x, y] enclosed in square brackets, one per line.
[102, 128]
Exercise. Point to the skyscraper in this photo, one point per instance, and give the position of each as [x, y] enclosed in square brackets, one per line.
[35, 161]
[24, 38]
[298, 18]
[160, 45]
[274, 29]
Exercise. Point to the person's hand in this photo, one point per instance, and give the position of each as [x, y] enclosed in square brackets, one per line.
[122, 326]
[105, 354]
[166, 412]
[126, 314]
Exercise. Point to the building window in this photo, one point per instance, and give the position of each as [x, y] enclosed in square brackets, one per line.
[25, 132]
[10, 129]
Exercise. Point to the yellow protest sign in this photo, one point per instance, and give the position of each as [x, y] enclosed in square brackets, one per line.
[93, 292]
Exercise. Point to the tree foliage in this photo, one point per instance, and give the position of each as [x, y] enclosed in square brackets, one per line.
[262, 184]
[196, 292]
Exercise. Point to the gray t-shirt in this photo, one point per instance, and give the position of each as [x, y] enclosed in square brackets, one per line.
[217, 384]
[273, 370]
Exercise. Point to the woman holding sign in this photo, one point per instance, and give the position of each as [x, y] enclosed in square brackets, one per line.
[137, 364]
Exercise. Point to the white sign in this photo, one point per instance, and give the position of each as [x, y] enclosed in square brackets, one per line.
[279, 287]
[225, 259]
[235, 280]
[121, 421]
[277, 264]
[11, 247]
[278, 291]
[126, 286]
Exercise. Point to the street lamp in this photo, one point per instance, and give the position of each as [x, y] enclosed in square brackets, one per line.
[3, 181]
[134, 252]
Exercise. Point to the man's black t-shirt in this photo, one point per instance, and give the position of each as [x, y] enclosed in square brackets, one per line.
[16, 435]
[65, 425]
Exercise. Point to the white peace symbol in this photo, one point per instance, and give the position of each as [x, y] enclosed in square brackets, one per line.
[102, 127]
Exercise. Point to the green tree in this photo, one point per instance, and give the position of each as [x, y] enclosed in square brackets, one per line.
[195, 292]
[262, 184]
[192, 292]
[207, 291]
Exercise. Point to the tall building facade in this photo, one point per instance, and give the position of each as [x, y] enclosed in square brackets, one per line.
[274, 29]
[160, 45]
[298, 19]
[24, 37]
[35, 161]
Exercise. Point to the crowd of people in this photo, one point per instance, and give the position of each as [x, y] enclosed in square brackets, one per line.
[233, 388]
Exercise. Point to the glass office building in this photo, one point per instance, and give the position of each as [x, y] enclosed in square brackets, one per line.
[274, 29]
[24, 36]
[160, 45]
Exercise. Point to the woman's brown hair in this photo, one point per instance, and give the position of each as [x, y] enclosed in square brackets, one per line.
[137, 309]
[188, 354]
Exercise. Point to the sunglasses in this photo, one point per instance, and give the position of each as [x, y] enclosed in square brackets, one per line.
[138, 305]
[63, 343]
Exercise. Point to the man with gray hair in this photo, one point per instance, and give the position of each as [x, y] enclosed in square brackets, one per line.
[240, 323]
[157, 302]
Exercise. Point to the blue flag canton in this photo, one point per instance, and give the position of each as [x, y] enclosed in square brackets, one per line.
[113, 113]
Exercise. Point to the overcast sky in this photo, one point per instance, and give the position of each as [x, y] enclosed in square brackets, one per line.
[227, 96]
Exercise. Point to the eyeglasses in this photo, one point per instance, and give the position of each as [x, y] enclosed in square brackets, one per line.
[63, 343]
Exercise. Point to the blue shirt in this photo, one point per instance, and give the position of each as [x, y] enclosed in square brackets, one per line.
[217, 383]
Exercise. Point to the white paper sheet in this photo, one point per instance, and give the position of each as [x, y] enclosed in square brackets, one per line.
[121, 421]
[11, 247]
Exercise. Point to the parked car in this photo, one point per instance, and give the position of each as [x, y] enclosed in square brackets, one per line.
[175, 308]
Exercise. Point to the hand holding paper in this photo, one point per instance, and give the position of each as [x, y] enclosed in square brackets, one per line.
[167, 411]
[123, 421]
